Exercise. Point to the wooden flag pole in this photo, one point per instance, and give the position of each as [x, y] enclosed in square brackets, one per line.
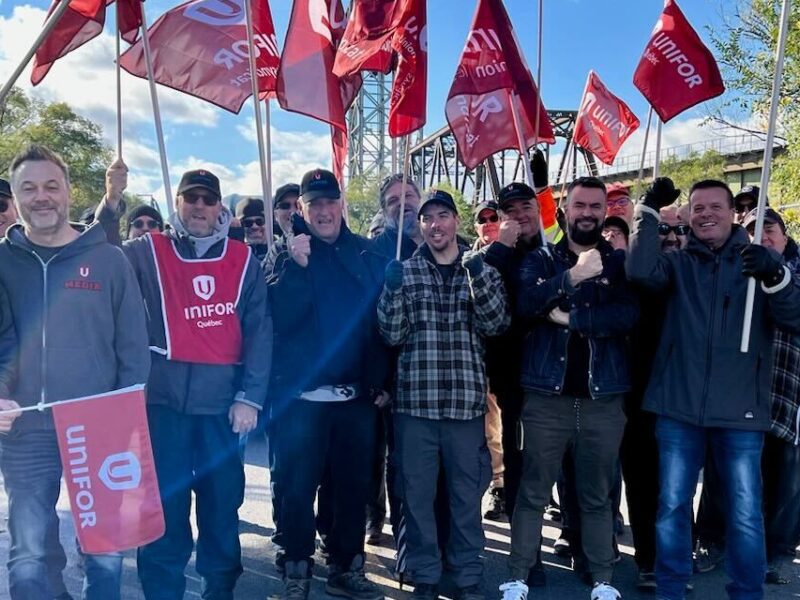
[403, 185]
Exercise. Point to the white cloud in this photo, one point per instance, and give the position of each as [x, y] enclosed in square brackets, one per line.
[299, 147]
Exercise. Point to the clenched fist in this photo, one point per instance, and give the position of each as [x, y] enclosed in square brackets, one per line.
[590, 264]
[116, 182]
[509, 233]
[300, 248]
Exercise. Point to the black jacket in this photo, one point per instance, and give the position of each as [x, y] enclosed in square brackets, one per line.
[700, 376]
[8, 345]
[386, 244]
[603, 309]
[80, 318]
[304, 348]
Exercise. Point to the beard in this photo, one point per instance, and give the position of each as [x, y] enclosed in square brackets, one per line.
[585, 238]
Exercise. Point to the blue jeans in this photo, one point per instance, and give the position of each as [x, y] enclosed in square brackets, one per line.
[31, 469]
[737, 455]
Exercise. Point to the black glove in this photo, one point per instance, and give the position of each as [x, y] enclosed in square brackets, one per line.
[762, 264]
[539, 169]
[473, 263]
[661, 193]
[394, 275]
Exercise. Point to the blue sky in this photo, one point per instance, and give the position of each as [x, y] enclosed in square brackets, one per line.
[606, 35]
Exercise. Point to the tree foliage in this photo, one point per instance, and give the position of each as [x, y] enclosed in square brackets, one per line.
[78, 140]
[696, 167]
[362, 202]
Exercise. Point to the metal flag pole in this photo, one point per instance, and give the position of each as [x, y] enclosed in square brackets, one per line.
[765, 172]
[268, 207]
[118, 73]
[403, 185]
[657, 166]
[539, 30]
[644, 148]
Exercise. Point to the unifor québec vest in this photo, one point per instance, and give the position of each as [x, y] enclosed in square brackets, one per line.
[198, 302]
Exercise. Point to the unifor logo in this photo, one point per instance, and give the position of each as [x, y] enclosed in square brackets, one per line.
[216, 12]
[480, 39]
[120, 472]
[204, 286]
[84, 271]
[322, 17]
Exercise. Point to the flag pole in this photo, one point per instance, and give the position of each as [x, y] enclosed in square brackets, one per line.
[262, 155]
[765, 172]
[118, 73]
[644, 148]
[403, 185]
[162, 150]
[268, 207]
[538, 78]
[657, 165]
[524, 152]
[51, 22]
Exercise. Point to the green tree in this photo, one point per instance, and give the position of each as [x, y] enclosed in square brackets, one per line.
[78, 140]
[362, 202]
[695, 167]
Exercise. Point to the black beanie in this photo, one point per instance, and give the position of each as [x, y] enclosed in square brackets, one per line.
[144, 210]
[249, 207]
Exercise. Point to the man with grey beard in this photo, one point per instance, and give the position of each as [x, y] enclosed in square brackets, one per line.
[386, 242]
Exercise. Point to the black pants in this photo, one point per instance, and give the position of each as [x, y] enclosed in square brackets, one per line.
[510, 402]
[780, 467]
[340, 435]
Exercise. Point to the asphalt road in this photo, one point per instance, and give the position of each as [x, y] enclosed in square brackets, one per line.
[260, 580]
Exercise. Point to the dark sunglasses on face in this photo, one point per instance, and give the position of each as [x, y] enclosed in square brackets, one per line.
[665, 228]
[492, 219]
[192, 198]
[253, 222]
[145, 224]
[743, 208]
[284, 206]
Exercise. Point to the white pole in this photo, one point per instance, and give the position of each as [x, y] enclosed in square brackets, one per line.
[118, 72]
[162, 150]
[644, 148]
[765, 171]
[262, 155]
[524, 152]
[567, 149]
[657, 166]
[48, 27]
[539, 29]
[406, 160]
[270, 217]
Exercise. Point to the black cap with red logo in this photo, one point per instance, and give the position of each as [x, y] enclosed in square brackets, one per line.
[319, 183]
[199, 178]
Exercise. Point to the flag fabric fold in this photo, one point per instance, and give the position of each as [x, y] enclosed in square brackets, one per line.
[366, 43]
[407, 104]
[676, 71]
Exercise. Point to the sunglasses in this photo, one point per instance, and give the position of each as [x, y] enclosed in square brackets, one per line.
[192, 198]
[145, 224]
[492, 219]
[665, 228]
[743, 208]
[253, 222]
[284, 206]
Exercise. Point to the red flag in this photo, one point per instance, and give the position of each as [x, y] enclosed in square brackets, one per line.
[479, 103]
[366, 44]
[407, 106]
[81, 22]
[604, 121]
[202, 50]
[104, 444]
[676, 70]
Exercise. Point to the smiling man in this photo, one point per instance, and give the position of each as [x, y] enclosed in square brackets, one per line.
[708, 395]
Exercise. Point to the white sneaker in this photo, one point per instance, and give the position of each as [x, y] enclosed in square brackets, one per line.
[605, 591]
[514, 590]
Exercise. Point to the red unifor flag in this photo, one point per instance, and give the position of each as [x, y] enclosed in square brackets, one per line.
[306, 83]
[366, 43]
[109, 469]
[478, 106]
[604, 121]
[201, 49]
[81, 22]
[676, 70]
[407, 105]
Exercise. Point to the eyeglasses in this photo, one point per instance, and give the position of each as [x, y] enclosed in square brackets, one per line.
[623, 201]
[743, 207]
[665, 228]
[492, 219]
[253, 222]
[145, 224]
[192, 198]
[284, 206]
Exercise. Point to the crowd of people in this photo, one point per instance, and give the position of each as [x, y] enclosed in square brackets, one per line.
[610, 353]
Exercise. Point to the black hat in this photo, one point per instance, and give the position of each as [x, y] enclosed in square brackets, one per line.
[751, 191]
[488, 205]
[285, 190]
[514, 191]
[5, 188]
[249, 207]
[199, 178]
[770, 216]
[435, 196]
[145, 210]
[319, 183]
[618, 222]
[87, 216]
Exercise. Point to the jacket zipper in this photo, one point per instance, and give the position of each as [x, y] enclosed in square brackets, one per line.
[591, 363]
[725, 304]
[797, 428]
[43, 375]
[704, 397]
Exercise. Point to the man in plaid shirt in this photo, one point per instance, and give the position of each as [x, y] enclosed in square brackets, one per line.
[438, 307]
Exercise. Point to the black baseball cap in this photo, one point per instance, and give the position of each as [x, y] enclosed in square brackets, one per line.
[750, 191]
[319, 183]
[488, 205]
[514, 191]
[199, 178]
[770, 216]
[438, 197]
[5, 188]
[285, 190]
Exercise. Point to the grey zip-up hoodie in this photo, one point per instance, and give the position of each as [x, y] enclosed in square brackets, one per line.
[79, 318]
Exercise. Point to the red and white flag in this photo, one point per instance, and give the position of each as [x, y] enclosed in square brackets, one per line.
[478, 106]
[109, 469]
[366, 43]
[81, 22]
[604, 121]
[201, 48]
[676, 70]
[407, 105]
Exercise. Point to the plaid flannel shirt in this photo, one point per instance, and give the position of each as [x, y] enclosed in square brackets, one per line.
[440, 329]
[785, 394]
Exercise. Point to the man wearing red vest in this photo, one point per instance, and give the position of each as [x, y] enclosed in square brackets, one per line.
[210, 339]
